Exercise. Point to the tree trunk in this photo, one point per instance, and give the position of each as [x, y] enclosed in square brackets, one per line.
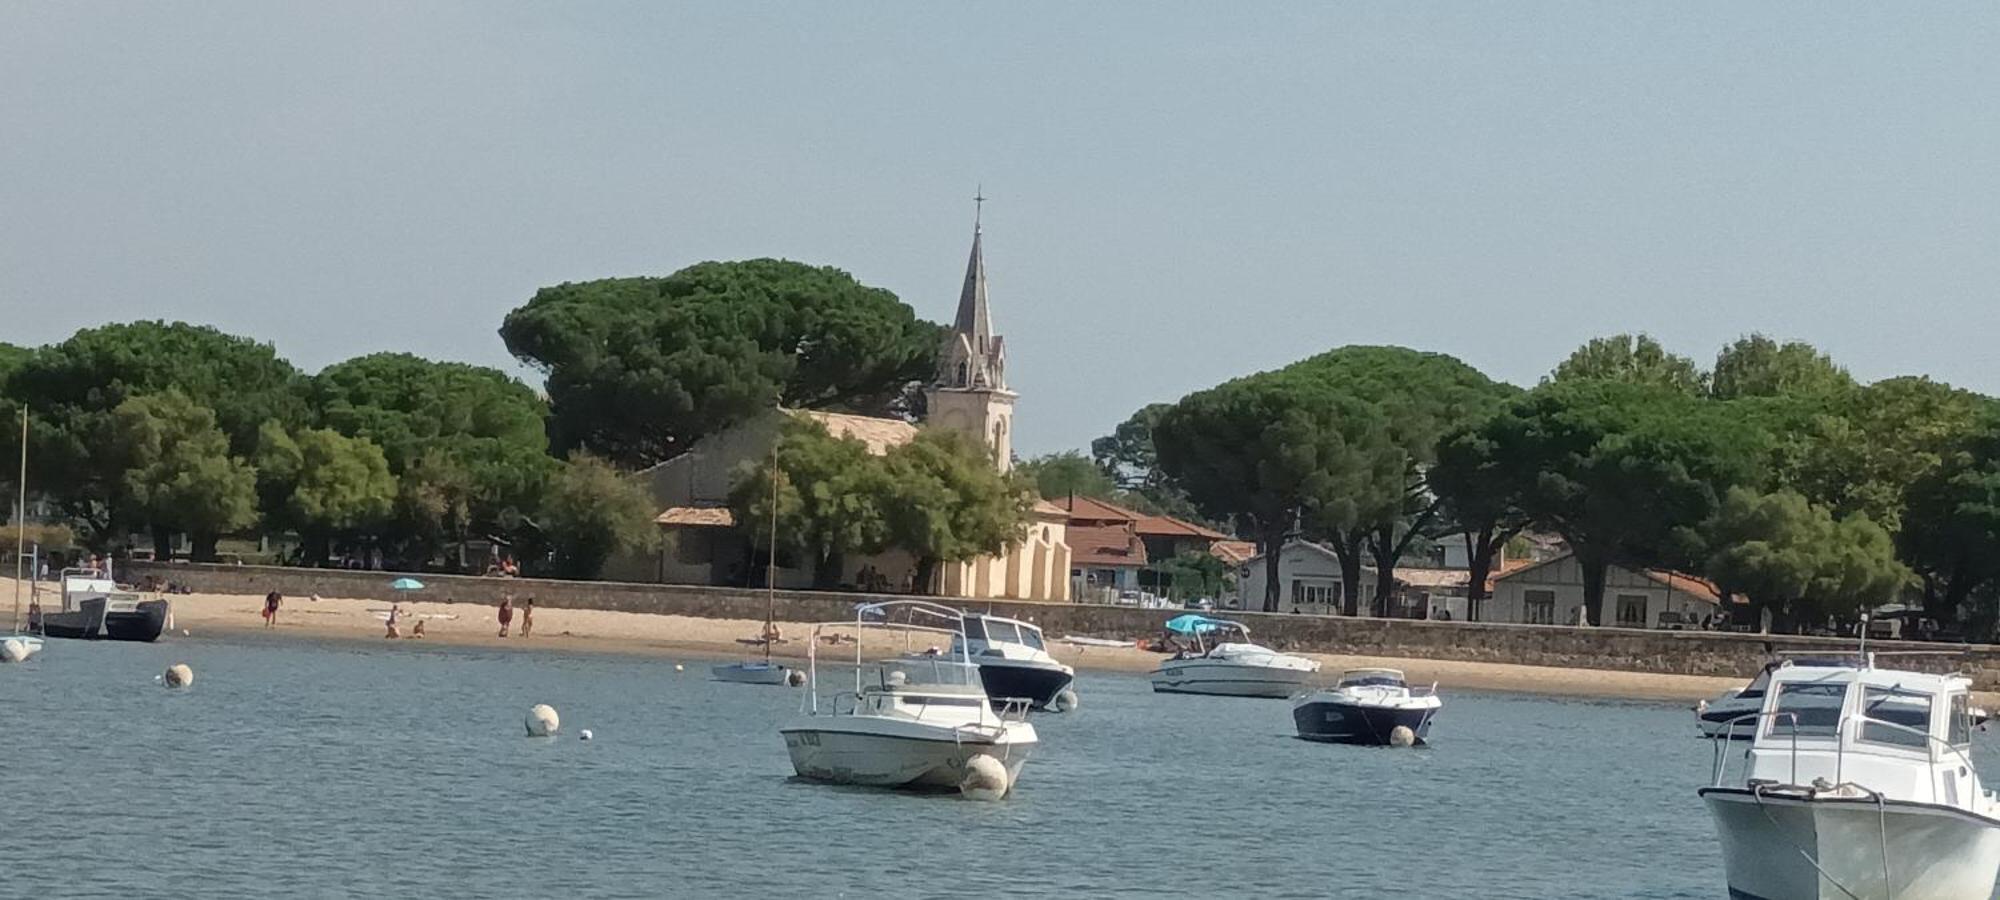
[826, 570]
[1593, 586]
[163, 545]
[926, 570]
[202, 546]
[1478, 565]
[1274, 557]
[1347, 548]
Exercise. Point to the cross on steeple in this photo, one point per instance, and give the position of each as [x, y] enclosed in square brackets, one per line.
[978, 205]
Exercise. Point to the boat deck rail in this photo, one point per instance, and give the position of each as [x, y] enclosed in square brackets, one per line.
[1842, 739]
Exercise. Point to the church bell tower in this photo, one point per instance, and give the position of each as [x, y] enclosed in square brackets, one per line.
[969, 393]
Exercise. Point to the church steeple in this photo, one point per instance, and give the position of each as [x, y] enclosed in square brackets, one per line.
[974, 357]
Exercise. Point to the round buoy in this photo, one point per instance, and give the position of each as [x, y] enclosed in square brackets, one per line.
[1402, 736]
[795, 678]
[543, 721]
[678, 667]
[985, 778]
[186, 633]
[1065, 701]
[584, 734]
[178, 676]
[13, 650]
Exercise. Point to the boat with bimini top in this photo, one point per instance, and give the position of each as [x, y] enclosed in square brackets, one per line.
[1218, 658]
[911, 721]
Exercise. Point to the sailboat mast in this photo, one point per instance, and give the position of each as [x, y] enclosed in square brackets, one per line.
[771, 561]
[21, 519]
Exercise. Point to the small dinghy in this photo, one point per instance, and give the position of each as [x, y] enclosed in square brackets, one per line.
[1366, 707]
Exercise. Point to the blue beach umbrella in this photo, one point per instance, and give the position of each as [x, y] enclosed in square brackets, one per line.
[1192, 624]
[406, 584]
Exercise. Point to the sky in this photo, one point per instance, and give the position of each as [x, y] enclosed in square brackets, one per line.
[1180, 193]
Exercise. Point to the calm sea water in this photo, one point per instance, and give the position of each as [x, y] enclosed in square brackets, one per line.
[354, 769]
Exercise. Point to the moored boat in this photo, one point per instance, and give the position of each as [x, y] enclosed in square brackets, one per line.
[94, 607]
[913, 721]
[1366, 707]
[1014, 662]
[1858, 782]
[1219, 659]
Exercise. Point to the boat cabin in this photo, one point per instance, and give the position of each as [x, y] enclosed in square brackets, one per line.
[927, 689]
[995, 636]
[1905, 735]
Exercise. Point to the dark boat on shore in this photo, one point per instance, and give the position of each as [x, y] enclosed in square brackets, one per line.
[94, 608]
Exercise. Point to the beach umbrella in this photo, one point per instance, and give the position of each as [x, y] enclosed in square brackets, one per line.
[406, 584]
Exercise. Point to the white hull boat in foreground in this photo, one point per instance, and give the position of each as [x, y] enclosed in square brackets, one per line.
[1230, 668]
[921, 722]
[1858, 782]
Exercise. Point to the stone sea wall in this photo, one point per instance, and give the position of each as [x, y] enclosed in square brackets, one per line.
[1621, 649]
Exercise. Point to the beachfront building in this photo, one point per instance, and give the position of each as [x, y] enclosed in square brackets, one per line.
[705, 545]
[1119, 550]
[1551, 593]
[1309, 580]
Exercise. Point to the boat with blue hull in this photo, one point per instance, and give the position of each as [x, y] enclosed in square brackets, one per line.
[1366, 707]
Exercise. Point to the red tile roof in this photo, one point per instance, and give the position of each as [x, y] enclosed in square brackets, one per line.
[1091, 509]
[1168, 526]
[1234, 553]
[1114, 546]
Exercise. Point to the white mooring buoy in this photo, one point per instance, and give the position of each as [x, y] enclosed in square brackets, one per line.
[795, 678]
[584, 734]
[1065, 700]
[985, 778]
[14, 650]
[543, 721]
[1402, 736]
[679, 668]
[178, 676]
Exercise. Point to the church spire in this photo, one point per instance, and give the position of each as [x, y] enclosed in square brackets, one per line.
[973, 319]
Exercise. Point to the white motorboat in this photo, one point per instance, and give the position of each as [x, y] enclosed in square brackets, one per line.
[1858, 782]
[1366, 707]
[1220, 659]
[917, 721]
[1013, 661]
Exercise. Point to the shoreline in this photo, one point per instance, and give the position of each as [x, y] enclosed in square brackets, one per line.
[708, 640]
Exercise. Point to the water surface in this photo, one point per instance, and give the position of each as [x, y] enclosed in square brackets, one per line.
[335, 769]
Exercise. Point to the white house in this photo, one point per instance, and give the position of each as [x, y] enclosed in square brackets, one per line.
[1551, 593]
[1309, 580]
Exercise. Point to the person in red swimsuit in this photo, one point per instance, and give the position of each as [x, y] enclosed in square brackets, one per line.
[506, 613]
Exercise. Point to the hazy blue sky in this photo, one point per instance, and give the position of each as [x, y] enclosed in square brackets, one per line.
[1180, 192]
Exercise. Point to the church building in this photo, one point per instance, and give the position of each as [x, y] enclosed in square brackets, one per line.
[968, 393]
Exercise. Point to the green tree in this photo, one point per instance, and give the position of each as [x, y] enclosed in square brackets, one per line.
[946, 503]
[1951, 536]
[1272, 449]
[640, 368]
[1479, 498]
[1127, 454]
[830, 492]
[406, 404]
[1194, 574]
[591, 511]
[1626, 473]
[1860, 451]
[1068, 473]
[1423, 397]
[1632, 359]
[1757, 366]
[463, 486]
[1797, 561]
[324, 485]
[179, 475]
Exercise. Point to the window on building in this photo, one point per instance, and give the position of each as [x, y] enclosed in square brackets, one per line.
[1538, 607]
[1310, 593]
[1632, 610]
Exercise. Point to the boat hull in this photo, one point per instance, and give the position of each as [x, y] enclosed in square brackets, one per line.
[752, 673]
[1932, 851]
[841, 755]
[1038, 685]
[1338, 722]
[1227, 679]
[92, 620]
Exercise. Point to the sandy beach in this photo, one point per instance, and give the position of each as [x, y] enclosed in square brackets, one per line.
[707, 639]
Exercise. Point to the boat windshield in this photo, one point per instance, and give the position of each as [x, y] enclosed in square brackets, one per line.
[1032, 636]
[1371, 679]
[1001, 631]
[975, 628]
[1808, 709]
[1898, 706]
[1961, 721]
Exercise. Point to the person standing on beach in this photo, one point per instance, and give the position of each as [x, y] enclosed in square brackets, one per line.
[527, 616]
[506, 613]
[395, 613]
[271, 602]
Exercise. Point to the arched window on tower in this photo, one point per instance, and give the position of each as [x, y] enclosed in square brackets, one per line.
[964, 374]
